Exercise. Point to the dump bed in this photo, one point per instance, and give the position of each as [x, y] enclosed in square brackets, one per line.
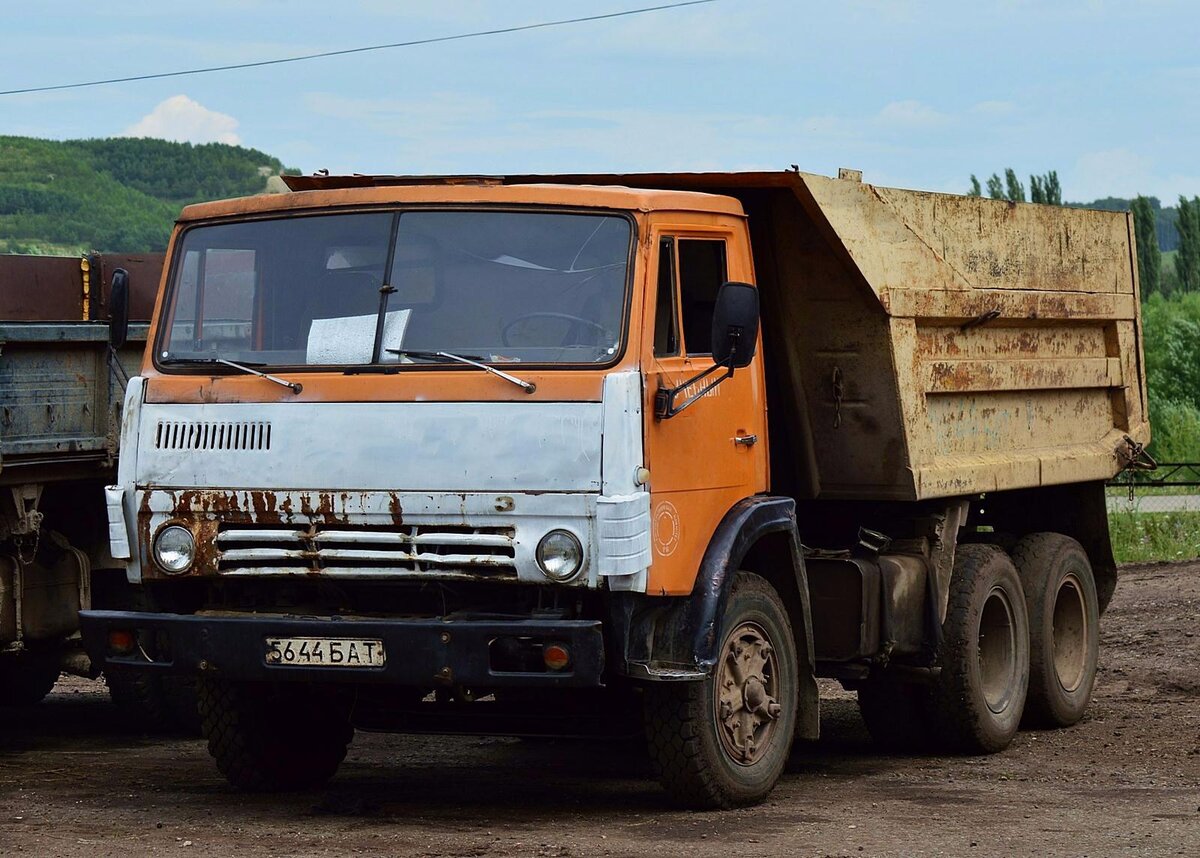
[930, 345]
[926, 345]
[60, 390]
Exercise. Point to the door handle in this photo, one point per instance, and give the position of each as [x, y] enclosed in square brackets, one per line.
[745, 440]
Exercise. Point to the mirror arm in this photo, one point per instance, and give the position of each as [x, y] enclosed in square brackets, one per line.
[664, 399]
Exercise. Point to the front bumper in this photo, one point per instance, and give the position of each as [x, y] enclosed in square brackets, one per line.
[420, 652]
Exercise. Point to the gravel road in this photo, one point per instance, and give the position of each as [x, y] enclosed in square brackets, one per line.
[1126, 781]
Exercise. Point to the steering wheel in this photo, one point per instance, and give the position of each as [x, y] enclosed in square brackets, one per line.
[603, 331]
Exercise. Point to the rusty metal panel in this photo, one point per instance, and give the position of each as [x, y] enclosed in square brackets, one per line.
[1014, 336]
[40, 288]
[145, 272]
[72, 288]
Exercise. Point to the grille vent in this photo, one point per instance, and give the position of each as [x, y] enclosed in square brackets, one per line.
[413, 551]
[186, 435]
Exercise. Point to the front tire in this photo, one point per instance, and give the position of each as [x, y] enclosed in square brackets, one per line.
[268, 737]
[1064, 620]
[724, 741]
[984, 658]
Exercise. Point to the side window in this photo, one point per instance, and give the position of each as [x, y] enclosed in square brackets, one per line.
[666, 314]
[701, 273]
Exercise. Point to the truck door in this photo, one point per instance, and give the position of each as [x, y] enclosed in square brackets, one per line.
[714, 453]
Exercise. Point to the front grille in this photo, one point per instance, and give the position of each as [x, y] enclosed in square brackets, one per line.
[424, 551]
[213, 435]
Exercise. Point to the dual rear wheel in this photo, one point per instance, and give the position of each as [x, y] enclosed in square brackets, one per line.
[1019, 647]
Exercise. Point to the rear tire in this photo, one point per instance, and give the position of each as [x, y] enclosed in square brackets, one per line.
[27, 677]
[1064, 619]
[724, 741]
[984, 658]
[273, 737]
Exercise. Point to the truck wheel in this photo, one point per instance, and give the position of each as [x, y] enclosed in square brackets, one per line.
[896, 713]
[26, 678]
[272, 737]
[724, 741]
[984, 657]
[1064, 619]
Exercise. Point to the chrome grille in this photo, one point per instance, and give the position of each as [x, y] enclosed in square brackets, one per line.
[425, 551]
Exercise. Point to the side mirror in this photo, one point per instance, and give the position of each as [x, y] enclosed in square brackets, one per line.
[118, 309]
[734, 338]
[735, 325]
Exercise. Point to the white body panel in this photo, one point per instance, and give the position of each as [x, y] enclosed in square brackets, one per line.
[383, 446]
[407, 468]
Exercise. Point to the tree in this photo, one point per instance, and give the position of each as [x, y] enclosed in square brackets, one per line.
[995, 187]
[1053, 189]
[1149, 257]
[1016, 191]
[1043, 189]
[1187, 260]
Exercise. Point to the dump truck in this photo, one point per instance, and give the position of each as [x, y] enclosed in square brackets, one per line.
[579, 452]
[62, 384]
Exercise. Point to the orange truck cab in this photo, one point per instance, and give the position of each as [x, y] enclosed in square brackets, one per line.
[586, 454]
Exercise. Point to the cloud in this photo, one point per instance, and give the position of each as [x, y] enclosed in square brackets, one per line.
[1125, 173]
[993, 108]
[911, 114]
[183, 120]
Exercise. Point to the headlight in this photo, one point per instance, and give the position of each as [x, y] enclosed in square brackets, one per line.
[560, 555]
[174, 549]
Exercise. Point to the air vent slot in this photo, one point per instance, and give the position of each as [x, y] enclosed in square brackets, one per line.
[222, 435]
[447, 552]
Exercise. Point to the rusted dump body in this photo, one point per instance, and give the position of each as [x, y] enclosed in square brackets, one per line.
[926, 345]
[949, 345]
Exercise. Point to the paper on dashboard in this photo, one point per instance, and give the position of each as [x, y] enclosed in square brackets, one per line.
[351, 339]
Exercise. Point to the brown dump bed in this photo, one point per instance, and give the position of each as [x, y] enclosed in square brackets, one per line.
[931, 345]
[926, 345]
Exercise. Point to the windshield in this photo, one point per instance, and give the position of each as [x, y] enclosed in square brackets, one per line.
[493, 286]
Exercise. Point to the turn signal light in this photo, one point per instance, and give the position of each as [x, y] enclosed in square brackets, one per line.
[121, 642]
[556, 657]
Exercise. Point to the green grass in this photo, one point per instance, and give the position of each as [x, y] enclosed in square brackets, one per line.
[1168, 259]
[1147, 537]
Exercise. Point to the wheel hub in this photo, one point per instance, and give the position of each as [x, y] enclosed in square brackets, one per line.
[747, 691]
[1070, 634]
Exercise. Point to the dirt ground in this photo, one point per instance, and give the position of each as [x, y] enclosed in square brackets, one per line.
[1126, 781]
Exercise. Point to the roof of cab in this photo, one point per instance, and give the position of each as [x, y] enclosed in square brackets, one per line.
[355, 191]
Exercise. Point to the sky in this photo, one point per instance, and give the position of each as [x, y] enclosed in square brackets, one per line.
[914, 94]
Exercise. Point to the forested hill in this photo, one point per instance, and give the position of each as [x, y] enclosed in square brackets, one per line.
[116, 195]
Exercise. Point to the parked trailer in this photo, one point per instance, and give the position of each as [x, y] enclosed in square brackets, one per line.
[61, 388]
[512, 454]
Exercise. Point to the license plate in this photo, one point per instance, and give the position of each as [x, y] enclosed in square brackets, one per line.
[325, 652]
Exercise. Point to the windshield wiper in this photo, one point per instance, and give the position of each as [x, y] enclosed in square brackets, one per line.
[473, 360]
[293, 386]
